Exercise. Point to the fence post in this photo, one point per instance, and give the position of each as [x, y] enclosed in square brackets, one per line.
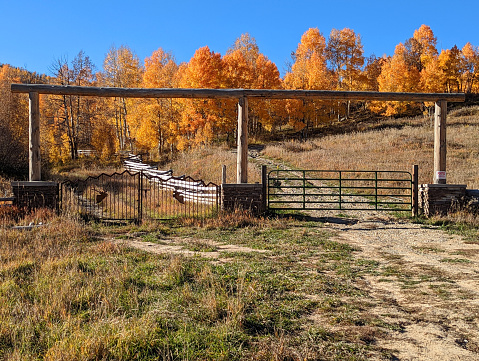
[264, 189]
[34, 138]
[223, 174]
[440, 116]
[140, 197]
[304, 189]
[242, 156]
[340, 185]
[415, 190]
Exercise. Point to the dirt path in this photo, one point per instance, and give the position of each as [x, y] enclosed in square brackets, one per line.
[184, 246]
[427, 286]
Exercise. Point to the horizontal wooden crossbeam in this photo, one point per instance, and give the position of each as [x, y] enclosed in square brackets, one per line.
[233, 93]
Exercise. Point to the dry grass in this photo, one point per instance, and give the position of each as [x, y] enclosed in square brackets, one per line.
[401, 144]
[207, 163]
[67, 294]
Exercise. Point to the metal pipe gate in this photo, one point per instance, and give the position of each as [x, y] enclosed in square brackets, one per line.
[341, 190]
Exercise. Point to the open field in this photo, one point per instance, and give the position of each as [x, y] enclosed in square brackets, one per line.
[239, 288]
[316, 286]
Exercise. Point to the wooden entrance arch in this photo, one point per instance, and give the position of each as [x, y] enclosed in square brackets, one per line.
[440, 100]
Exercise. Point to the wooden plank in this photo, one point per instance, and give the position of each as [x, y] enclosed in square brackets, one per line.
[126, 92]
[440, 141]
[233, 93]
[34, 138]
[352, 95]
[242, 154]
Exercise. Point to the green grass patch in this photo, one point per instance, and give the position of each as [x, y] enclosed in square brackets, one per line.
[455, 260]
[66, 293]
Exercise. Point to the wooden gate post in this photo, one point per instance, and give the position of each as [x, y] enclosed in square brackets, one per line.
[34, 138]
[440, 142]
[415, 191]
[264, 184]
[242, 156]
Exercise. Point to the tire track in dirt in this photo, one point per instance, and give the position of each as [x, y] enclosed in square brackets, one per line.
[426, 284]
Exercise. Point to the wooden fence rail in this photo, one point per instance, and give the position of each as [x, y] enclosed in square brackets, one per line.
[184, 188]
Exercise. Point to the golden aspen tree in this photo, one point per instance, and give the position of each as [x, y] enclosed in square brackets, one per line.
[104, 133]
[450, 62]
[422, 54]
[13, 124]
[432, 77]
[238, 71]
[72, 115]
[202, 119]
[246, 67]
[427, 44]
[345, 55]
[470, 55]
[121, 68]
[309, 71]
[371, 72]
[423, 51]
[397, 76]
[269, 112]
[150, 124]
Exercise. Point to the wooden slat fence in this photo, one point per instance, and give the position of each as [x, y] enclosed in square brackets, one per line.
[183, 187]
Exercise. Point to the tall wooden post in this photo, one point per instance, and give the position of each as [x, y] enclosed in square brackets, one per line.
[242, 157]
[440, 142]
[34, 138]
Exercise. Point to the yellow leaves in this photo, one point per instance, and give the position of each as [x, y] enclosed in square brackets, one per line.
[345, 52]
[432, 77]
[319, 63]
[312, 42]
[160, 70]
[425, 37]
[203, 71]
[238, 71]
[451, 64]
[397, 76]
[201, 119]
[121, 68]
[471, 66]
[309, 70]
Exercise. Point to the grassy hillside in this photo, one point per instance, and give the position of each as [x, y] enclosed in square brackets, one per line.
[386, 144]
[394, 144]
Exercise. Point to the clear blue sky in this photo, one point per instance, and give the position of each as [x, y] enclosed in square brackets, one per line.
[33, 33]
